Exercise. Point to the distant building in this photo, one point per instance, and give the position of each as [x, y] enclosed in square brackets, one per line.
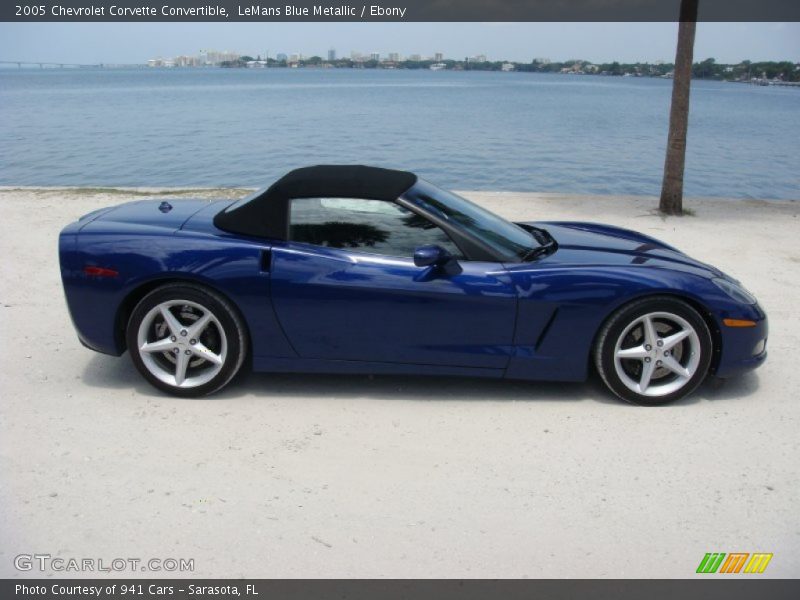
[281, 57]
[332, 54]
[375, 56]
[186, 61]
[480, 58]
[576, 67]
[415, 57]
[214, 57]
[507, 67]
[393, 57]
[161, 62]
[438, 57]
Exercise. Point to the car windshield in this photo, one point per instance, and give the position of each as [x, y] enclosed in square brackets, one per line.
[510, 240]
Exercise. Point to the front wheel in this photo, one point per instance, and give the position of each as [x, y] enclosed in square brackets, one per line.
[186, 340]
[654, 351]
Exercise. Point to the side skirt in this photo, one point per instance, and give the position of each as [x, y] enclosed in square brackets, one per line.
[315, 365]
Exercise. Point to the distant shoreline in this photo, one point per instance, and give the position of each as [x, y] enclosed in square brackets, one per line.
[761, 73]
[137, 192]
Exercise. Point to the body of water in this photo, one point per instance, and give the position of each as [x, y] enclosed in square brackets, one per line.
[462, 130]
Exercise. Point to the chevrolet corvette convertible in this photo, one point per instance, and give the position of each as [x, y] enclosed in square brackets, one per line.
[353, 269]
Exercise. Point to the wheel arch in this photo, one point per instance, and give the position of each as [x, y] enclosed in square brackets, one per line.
[695, 303]
[135, 295]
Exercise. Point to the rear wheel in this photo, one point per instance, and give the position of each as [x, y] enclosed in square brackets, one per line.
[654, 351]
[186, 340]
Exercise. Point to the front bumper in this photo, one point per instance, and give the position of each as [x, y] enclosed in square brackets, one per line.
[743, 348]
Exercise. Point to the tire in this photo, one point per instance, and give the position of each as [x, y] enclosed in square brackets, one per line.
[186, 340]
[654, 351]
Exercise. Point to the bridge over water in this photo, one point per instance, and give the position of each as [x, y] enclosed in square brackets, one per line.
[61, 65]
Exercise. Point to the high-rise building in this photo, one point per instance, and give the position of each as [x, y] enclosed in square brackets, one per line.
[438, 57]
[214, 57]
[394, 57]
[281, 56]
[375, 56]
[332, 54]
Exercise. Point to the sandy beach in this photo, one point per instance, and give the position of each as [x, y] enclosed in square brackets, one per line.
[352, 476]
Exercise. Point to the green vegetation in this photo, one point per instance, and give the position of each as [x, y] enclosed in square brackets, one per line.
[710, 69]
[705, 69]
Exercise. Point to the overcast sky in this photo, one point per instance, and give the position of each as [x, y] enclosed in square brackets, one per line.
[598, 42]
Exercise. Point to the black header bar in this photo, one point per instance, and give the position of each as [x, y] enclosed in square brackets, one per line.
[392, 10]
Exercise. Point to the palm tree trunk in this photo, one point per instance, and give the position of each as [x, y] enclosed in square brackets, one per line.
[672, 186]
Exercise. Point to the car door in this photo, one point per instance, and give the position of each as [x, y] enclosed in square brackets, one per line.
[345, 287]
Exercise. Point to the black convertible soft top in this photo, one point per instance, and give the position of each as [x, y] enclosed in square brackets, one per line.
[266, 214]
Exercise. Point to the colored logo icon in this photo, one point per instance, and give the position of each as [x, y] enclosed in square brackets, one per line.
[734, 562]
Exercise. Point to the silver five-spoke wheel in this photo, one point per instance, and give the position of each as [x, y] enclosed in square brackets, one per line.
[654, 350]
[182, 343]
[186, 339]
[657, 354]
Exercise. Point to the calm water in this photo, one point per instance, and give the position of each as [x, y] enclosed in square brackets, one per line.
[487, 131]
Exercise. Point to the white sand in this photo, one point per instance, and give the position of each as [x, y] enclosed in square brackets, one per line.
[344, 476]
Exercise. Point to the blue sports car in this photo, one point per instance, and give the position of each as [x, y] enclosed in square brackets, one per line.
[353, 269]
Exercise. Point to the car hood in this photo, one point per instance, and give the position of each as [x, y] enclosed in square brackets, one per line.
[596, 244]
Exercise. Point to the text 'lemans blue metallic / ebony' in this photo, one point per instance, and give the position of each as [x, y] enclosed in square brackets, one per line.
[352, 269]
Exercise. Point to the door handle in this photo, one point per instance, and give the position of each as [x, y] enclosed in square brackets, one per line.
[266, 261]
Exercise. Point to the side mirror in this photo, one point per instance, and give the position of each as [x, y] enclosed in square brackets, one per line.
[431, 256]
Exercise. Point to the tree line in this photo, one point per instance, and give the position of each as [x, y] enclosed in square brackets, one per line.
[705, 69]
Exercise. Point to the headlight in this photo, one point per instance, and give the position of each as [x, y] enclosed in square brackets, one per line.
[735, 291]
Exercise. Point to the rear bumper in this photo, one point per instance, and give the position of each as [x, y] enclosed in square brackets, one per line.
[743, 348]
[92, 303]
[100, 346]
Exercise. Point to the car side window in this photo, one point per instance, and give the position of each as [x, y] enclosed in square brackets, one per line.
[374, 226]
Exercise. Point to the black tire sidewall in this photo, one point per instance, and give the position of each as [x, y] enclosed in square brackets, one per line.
[617, 324]
[222, 310]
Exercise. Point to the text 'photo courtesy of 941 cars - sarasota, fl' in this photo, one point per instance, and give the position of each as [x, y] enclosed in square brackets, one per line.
[354, 269]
